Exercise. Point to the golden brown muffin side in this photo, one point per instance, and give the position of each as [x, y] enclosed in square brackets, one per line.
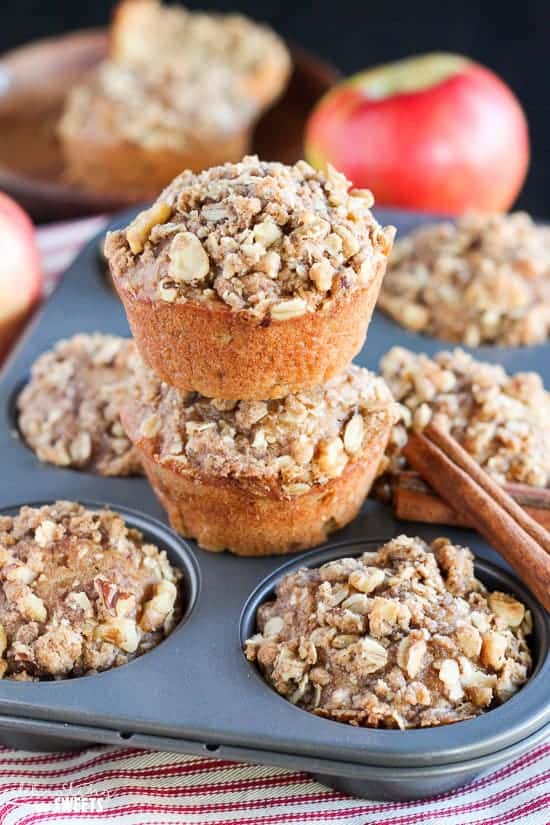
[207, 348]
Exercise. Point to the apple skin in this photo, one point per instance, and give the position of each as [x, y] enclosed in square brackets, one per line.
[456, 144]
[20, 270]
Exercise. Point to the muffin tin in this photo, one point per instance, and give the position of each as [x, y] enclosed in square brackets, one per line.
[196, 693]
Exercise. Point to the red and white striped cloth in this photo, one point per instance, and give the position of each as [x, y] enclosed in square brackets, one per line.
[131, 787]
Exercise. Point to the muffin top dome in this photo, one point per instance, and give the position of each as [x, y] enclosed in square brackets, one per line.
[285, 445]
[501, 420]
[80, 592]
[482, 280]
[265, 239]
[68, 413]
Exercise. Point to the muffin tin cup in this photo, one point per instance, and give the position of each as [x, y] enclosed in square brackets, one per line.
[196, 692]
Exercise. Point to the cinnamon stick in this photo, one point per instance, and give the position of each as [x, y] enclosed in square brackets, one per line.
[467, 488]
[414, 500]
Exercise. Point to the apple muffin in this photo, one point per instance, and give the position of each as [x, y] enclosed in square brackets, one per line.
[68, 413]
[482, 280]
[501, 420]
[251, 280]
[80, 592]
[403, 637]
[178, 90]
[261, 477]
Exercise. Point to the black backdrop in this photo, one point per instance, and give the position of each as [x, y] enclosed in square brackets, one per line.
[512, 38]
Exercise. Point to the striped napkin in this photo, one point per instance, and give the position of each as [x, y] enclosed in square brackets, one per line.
[125, 786]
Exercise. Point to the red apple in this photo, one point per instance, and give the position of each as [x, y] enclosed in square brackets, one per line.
[437, 132]
[20, 270]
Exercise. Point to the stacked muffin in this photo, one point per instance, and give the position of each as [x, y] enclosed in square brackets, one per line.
[249, 288]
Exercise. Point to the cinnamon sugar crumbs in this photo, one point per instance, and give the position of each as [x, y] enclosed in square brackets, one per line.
[482, 280]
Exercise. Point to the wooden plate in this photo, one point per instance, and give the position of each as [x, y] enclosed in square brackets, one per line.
[33, 82]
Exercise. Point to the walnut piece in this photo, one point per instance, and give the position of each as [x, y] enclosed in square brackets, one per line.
[139, 230]
[188, 260]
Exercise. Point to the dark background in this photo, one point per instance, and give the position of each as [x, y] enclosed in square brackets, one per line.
[511, 38]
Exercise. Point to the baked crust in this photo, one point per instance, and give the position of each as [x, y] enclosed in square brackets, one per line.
[207, 348]
[237, 515]
[106, 163]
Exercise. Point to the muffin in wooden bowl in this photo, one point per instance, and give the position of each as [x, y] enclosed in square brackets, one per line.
[261, 477]
[178, 90]
[251, 280]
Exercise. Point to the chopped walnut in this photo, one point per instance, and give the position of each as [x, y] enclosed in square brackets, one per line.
[69, 410]
[409, 655]
[501, 420]
[483, 280]
[265, 239]
[96, 602]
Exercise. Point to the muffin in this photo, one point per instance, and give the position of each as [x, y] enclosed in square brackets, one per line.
[483, 280]
[68, 413]
[80, 592]
[501, 420]
[178, 90]
[403, 637]
[261, 477]
[251, 280]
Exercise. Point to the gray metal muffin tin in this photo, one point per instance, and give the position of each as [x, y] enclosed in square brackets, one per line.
[196, 693]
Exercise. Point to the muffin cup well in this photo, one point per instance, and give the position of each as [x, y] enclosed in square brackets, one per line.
[237, 515]
[210, 349]
[431, 749]
[154, 532]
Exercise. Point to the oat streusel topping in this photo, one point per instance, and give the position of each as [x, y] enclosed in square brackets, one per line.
[68, 412]
[176, 77]
[483, 280]
[80, 592]
[286, 445]
[263, 238]
[501, 420]
[403, 637]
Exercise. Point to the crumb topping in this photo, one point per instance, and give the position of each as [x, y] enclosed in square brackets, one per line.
[80, 592]
[286, 444]
[176, 77]
[403, 637]
[270, 240]
[69, 410]
[482, 280]
[501, 420]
